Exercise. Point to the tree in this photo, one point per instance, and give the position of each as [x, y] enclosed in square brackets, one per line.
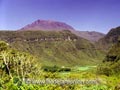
[16, 63]
[3, 46]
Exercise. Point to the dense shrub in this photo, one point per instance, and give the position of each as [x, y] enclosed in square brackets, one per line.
[55, 69]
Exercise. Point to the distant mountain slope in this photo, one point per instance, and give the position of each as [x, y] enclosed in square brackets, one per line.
[54, 48]
[47, 25]
[92, 36]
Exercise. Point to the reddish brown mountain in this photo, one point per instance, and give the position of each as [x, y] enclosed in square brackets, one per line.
[48, 25]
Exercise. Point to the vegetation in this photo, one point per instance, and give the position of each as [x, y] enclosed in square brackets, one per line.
[15, 64]
[111, 65]
[54, 48]
[22, 67]
[112, 61]
[56, 69]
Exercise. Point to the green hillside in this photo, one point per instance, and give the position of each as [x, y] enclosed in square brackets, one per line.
[20, 71]
[54, 48]
[111, 63]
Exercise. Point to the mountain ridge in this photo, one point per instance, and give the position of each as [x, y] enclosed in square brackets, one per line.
[110, 38]
[92, 36]
[51, 25]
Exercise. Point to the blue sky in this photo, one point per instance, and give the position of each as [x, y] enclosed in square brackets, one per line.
[83, 15]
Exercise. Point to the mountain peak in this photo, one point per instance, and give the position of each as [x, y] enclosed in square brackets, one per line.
[48, 25]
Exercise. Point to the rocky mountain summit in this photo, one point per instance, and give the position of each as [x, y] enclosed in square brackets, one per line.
[50, 25]
[47, 25]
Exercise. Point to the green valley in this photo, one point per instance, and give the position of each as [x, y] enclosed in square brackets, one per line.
[35, 60]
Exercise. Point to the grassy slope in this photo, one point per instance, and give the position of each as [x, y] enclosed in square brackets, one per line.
[77, 51]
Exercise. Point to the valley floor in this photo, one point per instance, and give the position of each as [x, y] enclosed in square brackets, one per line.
[85, 74]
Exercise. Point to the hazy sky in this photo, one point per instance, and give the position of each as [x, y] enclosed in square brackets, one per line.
[88, 15]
